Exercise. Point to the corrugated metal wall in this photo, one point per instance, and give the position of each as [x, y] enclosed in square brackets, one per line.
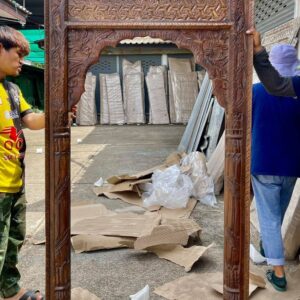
[272, 13]
[109, 64]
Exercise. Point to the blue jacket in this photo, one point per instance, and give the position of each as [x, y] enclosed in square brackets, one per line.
[275, 133]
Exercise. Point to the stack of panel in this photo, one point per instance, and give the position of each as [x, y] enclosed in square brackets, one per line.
[133, 92]
[86, 109]
[112, 111]
[156, 83]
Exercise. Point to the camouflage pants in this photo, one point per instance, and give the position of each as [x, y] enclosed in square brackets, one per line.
[12, 235]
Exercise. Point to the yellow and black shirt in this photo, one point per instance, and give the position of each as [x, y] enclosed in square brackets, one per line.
[13, 107]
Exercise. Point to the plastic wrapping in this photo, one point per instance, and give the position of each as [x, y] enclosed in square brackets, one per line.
[157, 98]
[171, 189]
[115, 101]
[133, 92]
[133, 85]
[194, 165]
[181, 65]
[143, 294]
[111, 106]
[185, 91]
[86, 110]
[104, 112]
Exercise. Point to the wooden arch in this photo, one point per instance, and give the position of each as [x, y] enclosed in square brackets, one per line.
[214, 31]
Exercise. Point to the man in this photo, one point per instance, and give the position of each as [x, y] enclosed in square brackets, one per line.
[14, 111]
[275, 147]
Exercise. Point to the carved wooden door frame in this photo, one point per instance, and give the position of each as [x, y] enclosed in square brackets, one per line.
[214, 31]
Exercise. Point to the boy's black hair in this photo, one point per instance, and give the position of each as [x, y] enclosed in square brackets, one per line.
[11, 38]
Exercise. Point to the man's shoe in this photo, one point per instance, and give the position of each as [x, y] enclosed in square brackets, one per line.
[279, 283]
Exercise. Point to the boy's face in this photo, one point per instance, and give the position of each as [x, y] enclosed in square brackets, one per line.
[10, 61]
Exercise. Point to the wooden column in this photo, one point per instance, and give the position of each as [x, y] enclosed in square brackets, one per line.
[237, 157]
[57, 155]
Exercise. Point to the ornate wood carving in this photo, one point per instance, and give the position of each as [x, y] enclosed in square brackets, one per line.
[145, 11]
[57, 157]
[210, 49]
[214, 30]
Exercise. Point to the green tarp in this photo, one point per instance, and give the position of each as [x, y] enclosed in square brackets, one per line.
[36, 55]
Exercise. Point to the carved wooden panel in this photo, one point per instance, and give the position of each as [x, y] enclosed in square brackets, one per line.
[214, 31]
[210, 49]
[145, 11]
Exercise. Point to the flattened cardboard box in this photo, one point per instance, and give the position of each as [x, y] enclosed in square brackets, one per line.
[197, 286]
[85, 243]
[185, 257]
[82, 294]
[126, 225]
[171, 232]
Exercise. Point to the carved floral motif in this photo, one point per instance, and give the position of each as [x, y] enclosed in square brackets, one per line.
[210, 49]
[223, 52]
[151, 10]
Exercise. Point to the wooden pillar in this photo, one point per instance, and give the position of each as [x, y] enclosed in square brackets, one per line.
[237, 157]
[57, 155]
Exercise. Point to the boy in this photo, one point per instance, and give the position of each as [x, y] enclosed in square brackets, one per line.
[14, 111]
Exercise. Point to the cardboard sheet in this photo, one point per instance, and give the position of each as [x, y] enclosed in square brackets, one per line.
[178, 213]
[201, 286]
[126, 225]
[170, 232]
[189, 225]
[189, 287]
[185, 257]
[255, 281]
[86, 243]
[124, 186]
[163, 235]
[139, 175]
[89, 211]
[82, 294]
[128, 197]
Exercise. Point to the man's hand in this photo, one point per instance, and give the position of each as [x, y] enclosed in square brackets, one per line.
[72, 115]
[257, 47]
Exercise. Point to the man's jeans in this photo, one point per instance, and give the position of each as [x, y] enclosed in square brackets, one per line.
[272, 195]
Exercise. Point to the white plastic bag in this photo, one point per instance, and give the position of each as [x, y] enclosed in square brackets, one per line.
[171, 189]
[194, 165]
[143, 294]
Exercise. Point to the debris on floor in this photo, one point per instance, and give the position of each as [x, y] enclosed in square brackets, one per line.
[208, 285]
[82, 294]
[143, 294]
[169, 233]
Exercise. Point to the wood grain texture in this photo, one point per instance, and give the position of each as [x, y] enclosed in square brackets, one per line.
[214, 31]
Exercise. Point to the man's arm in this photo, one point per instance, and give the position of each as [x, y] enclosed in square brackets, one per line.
[34, 121]
[270, 78]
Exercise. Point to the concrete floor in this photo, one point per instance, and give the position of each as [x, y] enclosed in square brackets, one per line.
[105, 151]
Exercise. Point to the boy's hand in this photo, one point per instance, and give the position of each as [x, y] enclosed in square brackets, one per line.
[257, 47]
